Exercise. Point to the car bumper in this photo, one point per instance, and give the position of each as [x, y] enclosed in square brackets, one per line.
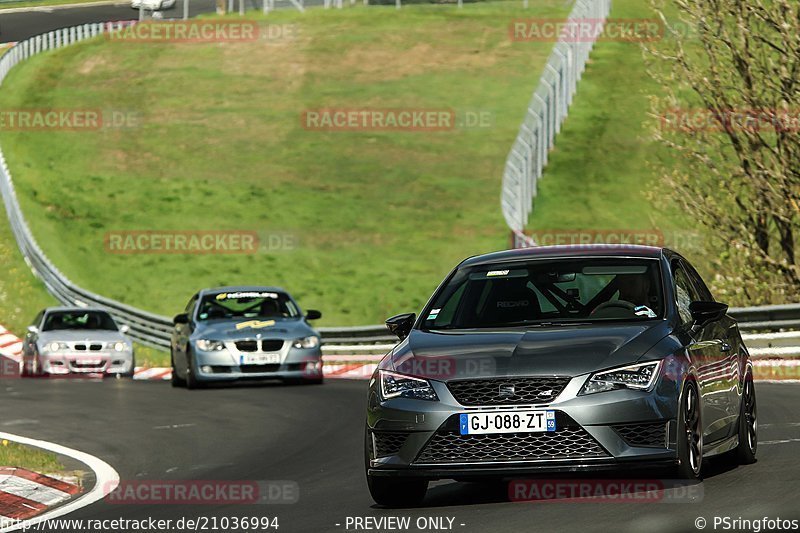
[77, 364]
[294, 364]
[607, 430]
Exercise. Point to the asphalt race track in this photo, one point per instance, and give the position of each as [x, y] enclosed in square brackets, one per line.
[15, 26]
[313, 435]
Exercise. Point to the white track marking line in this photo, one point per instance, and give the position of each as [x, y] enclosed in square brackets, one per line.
[106, 479]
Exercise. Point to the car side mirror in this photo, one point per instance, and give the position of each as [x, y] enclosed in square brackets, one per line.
[181, 318]
[33, 330]
[313, 314]
[401, 325]
[705, 312]
[124, 328]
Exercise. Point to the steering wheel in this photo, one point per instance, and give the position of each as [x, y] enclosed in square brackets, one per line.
[619, 304]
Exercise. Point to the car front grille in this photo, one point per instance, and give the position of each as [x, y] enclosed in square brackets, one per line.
[507, 391]
[649, 435]
[569, 441]
[81, 347]
[271, 345]
[267, 345]
[246, 346]
[388, 443]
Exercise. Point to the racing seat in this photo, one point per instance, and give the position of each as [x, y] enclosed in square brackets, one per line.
[511, 300]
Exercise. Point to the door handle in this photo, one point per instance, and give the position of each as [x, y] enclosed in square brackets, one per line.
[724, 347]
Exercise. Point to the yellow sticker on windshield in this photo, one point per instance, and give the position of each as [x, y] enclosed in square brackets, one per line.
[255, 324]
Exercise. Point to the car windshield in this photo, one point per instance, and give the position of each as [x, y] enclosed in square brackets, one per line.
[78, 320]
[543, 292]
[247, 304]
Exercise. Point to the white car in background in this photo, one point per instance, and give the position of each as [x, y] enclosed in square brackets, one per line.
[153, 5]
[76, 340]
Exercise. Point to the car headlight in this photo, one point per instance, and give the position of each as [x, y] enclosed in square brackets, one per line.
[640, 376]
[306, 342]
[55, 346]
[395, 385]
[117, 346]
[210, 346]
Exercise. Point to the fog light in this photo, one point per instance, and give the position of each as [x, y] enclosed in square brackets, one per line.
[313, 366]
[205, 369]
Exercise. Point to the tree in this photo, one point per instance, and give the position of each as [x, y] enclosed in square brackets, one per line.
[732, 114]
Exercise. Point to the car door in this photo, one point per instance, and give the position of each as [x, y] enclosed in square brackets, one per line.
[181, 333]
[704, 350]
[725, 334]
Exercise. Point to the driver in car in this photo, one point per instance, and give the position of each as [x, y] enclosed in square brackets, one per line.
[634, 295]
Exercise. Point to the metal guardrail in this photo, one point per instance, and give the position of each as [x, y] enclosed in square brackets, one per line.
[147, 328]
[546, 111]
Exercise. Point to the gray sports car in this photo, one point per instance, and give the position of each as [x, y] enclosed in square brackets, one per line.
[559, 359]
[244, 333]
[76, 340]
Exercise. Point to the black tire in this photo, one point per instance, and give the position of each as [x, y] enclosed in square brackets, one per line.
[175, 380]
[690, 435]
[133, 369]
[745, 452]
[192, 383]
[393, 491]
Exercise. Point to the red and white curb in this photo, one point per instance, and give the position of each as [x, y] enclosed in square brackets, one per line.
[24, 494]
[335, 366]
[363, 366]
[35, 489]
[342, 366]
[10, 345]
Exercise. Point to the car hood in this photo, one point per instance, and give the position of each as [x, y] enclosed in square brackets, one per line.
[224, 330]
[68, 335]
[560, 350]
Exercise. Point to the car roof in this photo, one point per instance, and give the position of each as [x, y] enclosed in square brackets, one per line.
[567, 251]
[243, 288]
[74, 308]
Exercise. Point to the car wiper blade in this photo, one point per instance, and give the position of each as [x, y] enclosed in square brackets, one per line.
[546, 324]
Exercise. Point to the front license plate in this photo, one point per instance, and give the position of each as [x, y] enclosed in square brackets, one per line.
[260, 359]
[507, 422]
